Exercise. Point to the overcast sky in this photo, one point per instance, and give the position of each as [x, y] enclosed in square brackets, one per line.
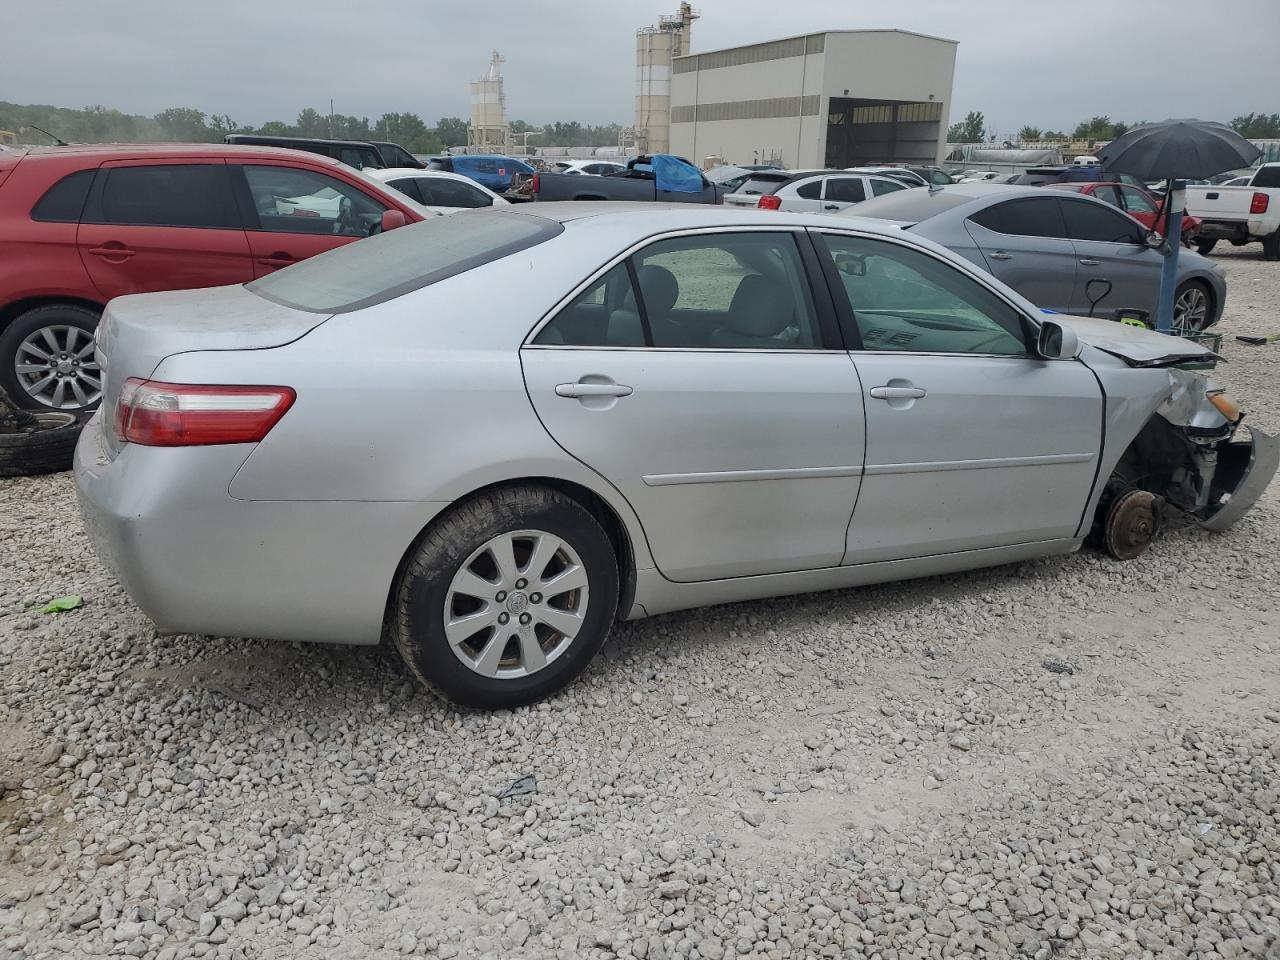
[1020, 61]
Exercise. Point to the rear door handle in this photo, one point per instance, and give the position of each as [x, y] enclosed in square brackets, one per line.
[831, 206]
[112, 250]
[1001, 255]
[580, 390]
[277, 259]
[897, 393]
[1089, 262]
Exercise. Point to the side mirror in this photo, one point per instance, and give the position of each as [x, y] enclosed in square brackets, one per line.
[851, 265]
[392, 219]
[1155, 240]
[1057, 342]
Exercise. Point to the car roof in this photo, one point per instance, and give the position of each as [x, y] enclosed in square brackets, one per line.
[130, 151]
[664, 217]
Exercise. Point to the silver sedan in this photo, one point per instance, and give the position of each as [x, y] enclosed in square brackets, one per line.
[490, 435]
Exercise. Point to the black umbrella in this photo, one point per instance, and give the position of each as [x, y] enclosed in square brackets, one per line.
[1173, 151]
[1178, 149]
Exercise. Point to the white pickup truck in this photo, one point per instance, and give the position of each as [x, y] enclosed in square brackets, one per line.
[1240, 214]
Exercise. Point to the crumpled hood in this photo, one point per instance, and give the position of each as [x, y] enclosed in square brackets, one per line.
[1137, 346]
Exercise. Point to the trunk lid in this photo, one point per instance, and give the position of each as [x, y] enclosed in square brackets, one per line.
[1137, 346]
[1219, 203]
[137, 332]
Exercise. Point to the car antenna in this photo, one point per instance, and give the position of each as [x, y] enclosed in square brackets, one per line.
[58, 141]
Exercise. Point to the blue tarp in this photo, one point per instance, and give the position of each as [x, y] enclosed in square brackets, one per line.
[676, 175]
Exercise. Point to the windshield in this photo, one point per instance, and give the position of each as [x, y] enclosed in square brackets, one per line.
[759, 185]
[392, 264]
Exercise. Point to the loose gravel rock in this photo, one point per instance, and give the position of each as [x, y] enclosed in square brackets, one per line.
[888, 772]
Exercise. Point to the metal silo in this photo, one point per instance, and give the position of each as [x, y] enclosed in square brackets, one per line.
[655, 47]
[489, 129]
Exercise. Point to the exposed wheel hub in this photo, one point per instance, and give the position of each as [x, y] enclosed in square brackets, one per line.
[1133, 522]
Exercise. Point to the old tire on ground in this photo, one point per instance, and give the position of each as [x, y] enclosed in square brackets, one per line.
[64, 321]
[506, 598]
[47, 446]
[1192, 306]
[1271, 247]
[1131, 524]
[1205, 247]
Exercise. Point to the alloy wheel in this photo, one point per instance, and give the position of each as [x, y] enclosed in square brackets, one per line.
[516, 604]
[56, 367]
[1190, 310]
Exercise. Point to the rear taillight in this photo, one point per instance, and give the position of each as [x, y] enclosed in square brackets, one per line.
[1260, 203]
[770, 202]
[536, 183]
[157, 414]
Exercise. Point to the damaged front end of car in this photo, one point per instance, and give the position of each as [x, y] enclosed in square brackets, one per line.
[1193, 462]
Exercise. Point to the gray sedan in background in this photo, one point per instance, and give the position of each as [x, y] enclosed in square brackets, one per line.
[1067, 253]
[490, 434]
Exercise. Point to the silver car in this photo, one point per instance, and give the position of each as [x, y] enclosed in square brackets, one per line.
[1064, 252]
[491, 434]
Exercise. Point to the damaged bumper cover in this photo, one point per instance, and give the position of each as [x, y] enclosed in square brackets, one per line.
[1245, 468]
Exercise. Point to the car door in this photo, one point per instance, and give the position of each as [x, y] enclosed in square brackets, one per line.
[1023, 241]
[972, 441]
[292, 212]
[842, 192]
[162, 225]
[1117, 270]
[802, 196]
[741, 456]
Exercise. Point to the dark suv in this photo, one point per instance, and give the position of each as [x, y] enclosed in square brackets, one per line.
[354, 153]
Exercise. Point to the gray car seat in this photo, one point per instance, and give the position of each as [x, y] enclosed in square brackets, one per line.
[661, 290]
[761, 309]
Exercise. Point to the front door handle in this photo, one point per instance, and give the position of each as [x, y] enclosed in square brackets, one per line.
[579, 391]
[1001, 255]
[277, 260]
[831, 206]
[112, 250]
[897, 393]
[1089, 262]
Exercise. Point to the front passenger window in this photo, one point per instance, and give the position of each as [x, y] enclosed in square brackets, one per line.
[905, 300]
[291, 200]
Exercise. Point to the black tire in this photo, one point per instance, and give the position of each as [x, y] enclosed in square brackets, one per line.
[68, 314]
[1205, 247]
[47, 447]
[1271, 247]
[418, 625]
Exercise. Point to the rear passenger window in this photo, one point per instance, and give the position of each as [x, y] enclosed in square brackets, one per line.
[604, 314]
[1036, 217]
[810, 191]
[64, 201]
[165, 195]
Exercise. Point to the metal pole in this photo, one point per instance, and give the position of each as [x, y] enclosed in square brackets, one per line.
[1172, 244]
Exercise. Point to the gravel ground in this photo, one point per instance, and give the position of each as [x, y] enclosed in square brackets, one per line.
[1070, 757]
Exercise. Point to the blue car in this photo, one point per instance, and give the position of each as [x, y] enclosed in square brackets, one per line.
[489, 171]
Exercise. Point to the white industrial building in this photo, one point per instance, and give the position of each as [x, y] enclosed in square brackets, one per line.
[841, 98]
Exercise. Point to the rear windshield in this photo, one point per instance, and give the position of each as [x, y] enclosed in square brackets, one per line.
[763, 185]
[394, 263]
[911, 206]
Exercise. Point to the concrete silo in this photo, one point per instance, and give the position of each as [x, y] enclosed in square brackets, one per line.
[489, 129]
[655, 47]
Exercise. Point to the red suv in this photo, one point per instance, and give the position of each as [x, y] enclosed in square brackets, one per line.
[82, 224]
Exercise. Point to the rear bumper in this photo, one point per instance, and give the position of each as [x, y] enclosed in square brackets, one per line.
[1249, 465]
[196, 560]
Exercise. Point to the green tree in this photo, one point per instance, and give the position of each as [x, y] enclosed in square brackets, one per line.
[452, 131]
[1054, 135]
[183, 124]
[1029, 133]
[969, 130]
[311, 123]
[1258, 126]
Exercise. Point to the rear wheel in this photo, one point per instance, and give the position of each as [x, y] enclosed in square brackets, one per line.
[507, 598]
[1271, 247]
[41, 442]
[47, 359]
[1205, 247]
[1192, 307]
